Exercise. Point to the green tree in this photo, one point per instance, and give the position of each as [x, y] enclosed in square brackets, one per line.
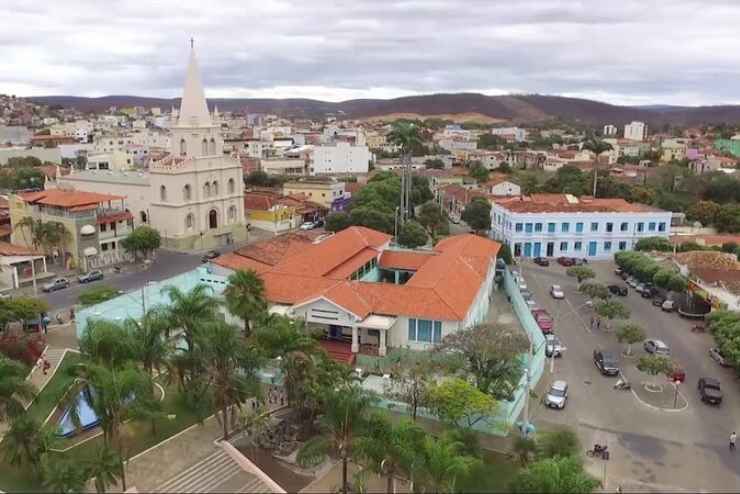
[230, 367]
[97, 295]
[491, 356]
[21, 308]
[560, 475]
[410, 382]
[525, 449]
[377, 219]
[345, 416]
[560, 443]
[106, 343]
[654, 243]
[654, 365]
[14, 389]
[147, 336]
[432, 218]
[505, 254]
[64, 475]
[26, 442]
[188, 311]
[479, 173]
[728, 218]
[434, 164]
[490, 141]
[594, 290]
[705, 212]
[730, 247]
[412, 235]
[143, 239]
[477, 214]
[336, 222]
[406, 135]
[630, 334]
[457, 402]
[581, 273]
[612, 310]
[245, 297]
[444, 463]
[105, 467]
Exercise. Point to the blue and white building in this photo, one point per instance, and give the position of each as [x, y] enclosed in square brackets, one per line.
[554, 225]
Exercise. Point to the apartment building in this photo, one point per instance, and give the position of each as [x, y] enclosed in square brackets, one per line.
[635, 131]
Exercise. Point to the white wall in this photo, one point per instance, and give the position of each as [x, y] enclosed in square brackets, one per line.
[341, 158]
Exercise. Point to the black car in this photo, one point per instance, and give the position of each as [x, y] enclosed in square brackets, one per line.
[211, 254]
[620, 290]
[658, 301]
[541, 261]
[709, 391]
[606, 362]
[624, 275]
[648, 292]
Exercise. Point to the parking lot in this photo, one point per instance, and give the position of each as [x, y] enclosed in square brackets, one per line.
[651, 449]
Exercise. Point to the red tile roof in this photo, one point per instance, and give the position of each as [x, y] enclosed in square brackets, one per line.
[8, 249]
[560, 203]
[67, 198]
[406, 260]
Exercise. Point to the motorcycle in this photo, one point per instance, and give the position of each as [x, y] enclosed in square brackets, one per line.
[623, 385]
[599, 451]
[699, 328]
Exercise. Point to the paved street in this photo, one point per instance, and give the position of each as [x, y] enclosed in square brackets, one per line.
[651, 449]
[166, 265]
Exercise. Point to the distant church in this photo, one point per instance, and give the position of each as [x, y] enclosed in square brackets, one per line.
[194, 196]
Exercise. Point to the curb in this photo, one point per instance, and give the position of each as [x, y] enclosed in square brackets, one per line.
[660, 409]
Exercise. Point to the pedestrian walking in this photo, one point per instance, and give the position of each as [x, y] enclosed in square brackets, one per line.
[47, 366]
[598, 323]
[45, 321]
[733, 439]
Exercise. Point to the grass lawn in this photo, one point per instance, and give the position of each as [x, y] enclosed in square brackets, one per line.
[493, 475]
[138, 433]
[55, 389]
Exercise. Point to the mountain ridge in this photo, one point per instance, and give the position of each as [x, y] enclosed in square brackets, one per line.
[517, 109]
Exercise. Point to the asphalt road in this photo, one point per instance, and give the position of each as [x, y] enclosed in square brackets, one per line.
[651, 448]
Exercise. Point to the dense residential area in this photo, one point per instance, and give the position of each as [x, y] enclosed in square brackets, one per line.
[205, 299]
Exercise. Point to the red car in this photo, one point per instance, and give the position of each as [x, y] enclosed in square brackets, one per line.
[544, 320]
[566, 261]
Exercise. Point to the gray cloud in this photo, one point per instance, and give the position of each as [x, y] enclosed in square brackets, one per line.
[634, 52]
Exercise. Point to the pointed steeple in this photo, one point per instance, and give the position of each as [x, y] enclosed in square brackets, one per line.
[193, 107]
[215, 112]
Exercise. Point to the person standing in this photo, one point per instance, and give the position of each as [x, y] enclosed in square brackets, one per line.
[733, 439]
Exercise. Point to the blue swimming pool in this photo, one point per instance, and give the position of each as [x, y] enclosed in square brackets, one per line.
[88, 418]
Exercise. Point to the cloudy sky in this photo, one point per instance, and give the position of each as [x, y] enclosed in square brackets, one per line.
[626, 52]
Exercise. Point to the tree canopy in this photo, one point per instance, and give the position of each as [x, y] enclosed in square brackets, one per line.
[143, 239]
[477, 214]
[412, 235]
[457, 402]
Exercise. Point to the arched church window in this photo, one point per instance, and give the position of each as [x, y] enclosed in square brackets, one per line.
[162, 193]
[183, 147]
[231, 186]
[204, 147]
[214, 188]
[212, 219]
[207, 190]
[213, 146]
[189, 219]
[186, 192]
[232, 214]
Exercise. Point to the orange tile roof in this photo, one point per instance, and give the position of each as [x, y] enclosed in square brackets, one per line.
[558, 203]
[236, 262]
[399, 259]
[8, 249]
[352, 264]
[67, 198]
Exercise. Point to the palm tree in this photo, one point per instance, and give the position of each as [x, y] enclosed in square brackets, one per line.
[33, 228]
[444, 463]
[14, 389]
[597, 146]
[147, 337]
[245, 297]
[188, 311]
[391, 450]
[106, 343]
[345, 416]
[105, 466]
[64, 475]
[408, 137]
[57, 236]
[26, 442]
[230, 367]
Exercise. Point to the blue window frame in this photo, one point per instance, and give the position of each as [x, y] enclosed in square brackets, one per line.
[519, 227]
[528, 227]
[564, 227]
[412, 329]
[424, 331]
[622, 245]
[563, 246]
[579, 227]
[651, 226]
[594, 227]
[538, 227]
[624, 227]
[609, 227]
[437, 337]
[607, 246]
[641, 227]
[661, 227]
[551, 228]
[577, 246]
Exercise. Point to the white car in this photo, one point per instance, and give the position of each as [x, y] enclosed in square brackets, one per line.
[553, 346]
[308, 225]
[717, 356]
[657, 347]
[557, 395]
[557, 292]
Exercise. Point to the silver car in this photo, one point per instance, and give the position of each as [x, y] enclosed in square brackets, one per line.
[657, 347]
[557, 395]
[553, 346]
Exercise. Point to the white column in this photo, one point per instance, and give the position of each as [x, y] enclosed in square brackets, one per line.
[355, 340]
[381, 348]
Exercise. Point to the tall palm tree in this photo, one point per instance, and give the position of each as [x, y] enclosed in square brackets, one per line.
[26, 442]
[444, 463]
[245, 297]
[391, 450]
[406, 135]
[345, 416]
[63, 475]
[147, 336]
[230, 367]
[105, 466]
[188, 311]
[106, 343]
[31, 230]
[597, 146]
[14, 389]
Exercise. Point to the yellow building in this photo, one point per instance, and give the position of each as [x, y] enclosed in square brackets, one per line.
[326, 191]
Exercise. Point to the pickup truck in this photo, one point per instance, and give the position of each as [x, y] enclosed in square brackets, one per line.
[709, 391]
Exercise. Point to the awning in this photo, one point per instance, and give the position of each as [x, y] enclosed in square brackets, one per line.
[280, 310]
[378, 322]
[90, 251]
[88, 230]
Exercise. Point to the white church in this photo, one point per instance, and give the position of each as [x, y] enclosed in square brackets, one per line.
[194, 196]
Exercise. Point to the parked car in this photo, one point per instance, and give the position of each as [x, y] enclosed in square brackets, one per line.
[211, 254]
[557, 292]
[625, 275]
[618, 271]
[308, 225]
[717, 356]
[57, 284]
[606, 362]
[566, 261]
[668, 306]
[631, 281]
[648, 292]
[541, 261]
[709, 391]
[640, 287]
[658, 301]
[579, 261]
[553, 346]
[657, 347]
[544, 320]
[620, 290]
[90, 276]
[318, 223]
[557, 395]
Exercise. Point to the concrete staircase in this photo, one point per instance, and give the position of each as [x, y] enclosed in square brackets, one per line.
[215, 473]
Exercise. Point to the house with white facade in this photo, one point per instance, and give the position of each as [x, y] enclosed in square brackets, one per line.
[368, 296]
[635, 131]
[338, 158]
[554, 225]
